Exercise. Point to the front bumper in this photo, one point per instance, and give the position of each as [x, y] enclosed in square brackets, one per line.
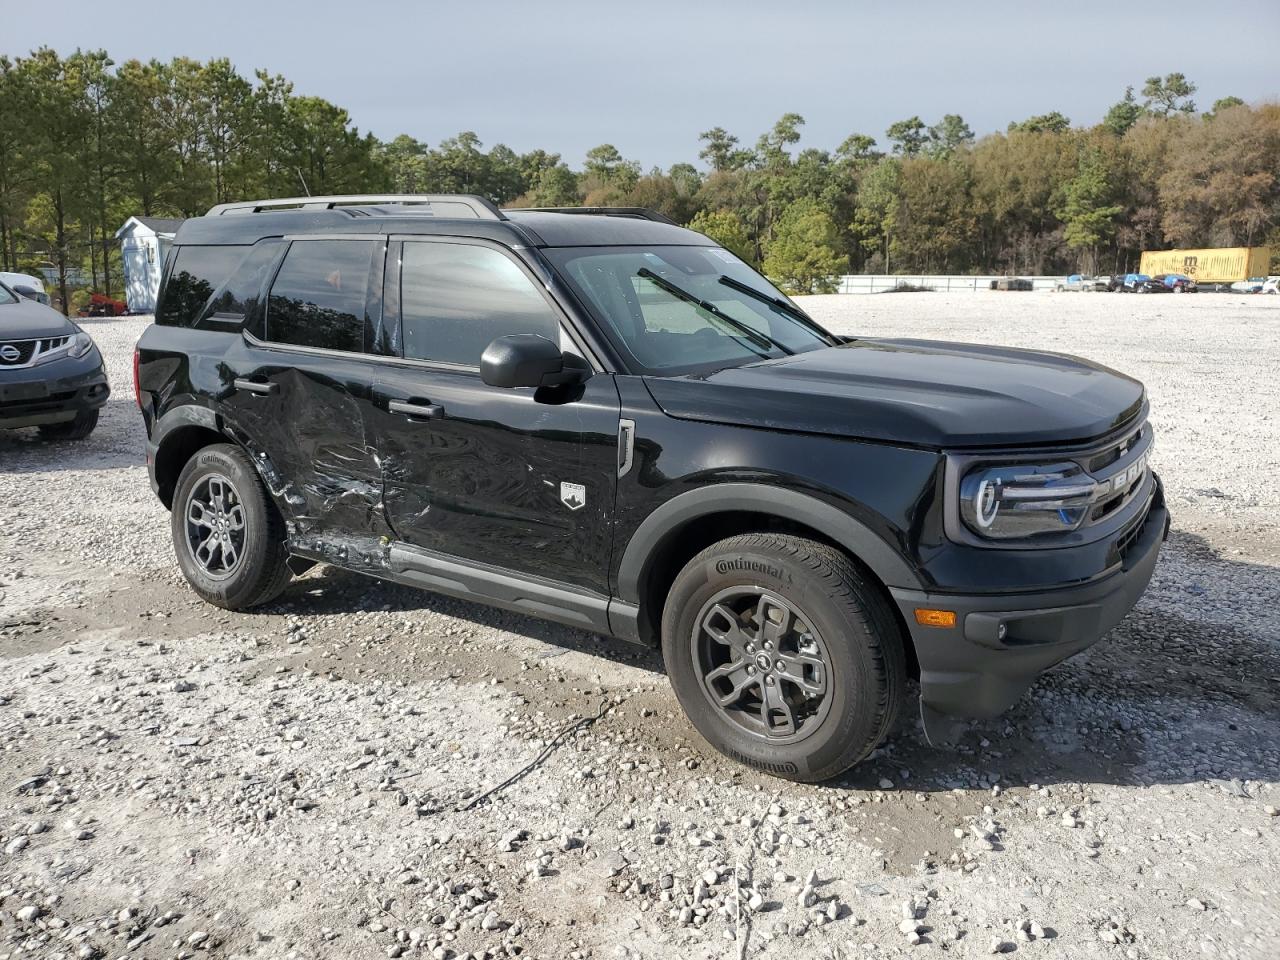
[1001, 644]
[52, 392]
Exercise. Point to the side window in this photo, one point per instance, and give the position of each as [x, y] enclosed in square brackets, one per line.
[456, 299]
[318, 297]
[239, 296]
[196, 272]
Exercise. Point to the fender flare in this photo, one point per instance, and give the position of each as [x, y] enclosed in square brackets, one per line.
[178, 419]
[667, 520]
[187, 415]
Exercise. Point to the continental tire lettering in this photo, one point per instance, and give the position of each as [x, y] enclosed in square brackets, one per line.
[741, 564]
[781, 767]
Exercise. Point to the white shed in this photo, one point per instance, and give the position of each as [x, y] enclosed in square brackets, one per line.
[144, 241]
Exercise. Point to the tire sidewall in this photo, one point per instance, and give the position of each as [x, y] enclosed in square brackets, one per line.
[852, 683]
[233, 591]
[84, 423]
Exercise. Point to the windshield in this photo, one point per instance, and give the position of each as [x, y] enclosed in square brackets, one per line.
[7, 295]
[675, 310]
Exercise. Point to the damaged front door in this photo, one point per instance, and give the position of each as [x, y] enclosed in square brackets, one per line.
[518, 479]
[301, 398]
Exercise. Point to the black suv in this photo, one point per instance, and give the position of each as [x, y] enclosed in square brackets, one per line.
[51, 374]
[600, 418]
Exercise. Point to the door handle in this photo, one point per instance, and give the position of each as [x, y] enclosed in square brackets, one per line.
[417, 411]
[255, 386]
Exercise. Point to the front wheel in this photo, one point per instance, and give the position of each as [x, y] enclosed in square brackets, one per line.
[76, 429]
[784, 654]
[227, 534]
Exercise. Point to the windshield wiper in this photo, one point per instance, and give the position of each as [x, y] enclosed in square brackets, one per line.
[787, 308]
[755, 336]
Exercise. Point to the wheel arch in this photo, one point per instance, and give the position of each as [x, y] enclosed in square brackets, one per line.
[178, 436]
[688, 523]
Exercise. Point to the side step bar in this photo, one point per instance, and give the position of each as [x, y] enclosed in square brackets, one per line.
[501, 588]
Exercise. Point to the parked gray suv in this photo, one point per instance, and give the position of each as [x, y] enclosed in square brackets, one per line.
[51, 374]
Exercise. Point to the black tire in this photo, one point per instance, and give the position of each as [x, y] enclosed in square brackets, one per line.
[260, 570]
[76, 429]
[844, 621]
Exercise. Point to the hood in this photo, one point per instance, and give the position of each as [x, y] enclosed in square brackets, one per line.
[28, 320]
[916, 392]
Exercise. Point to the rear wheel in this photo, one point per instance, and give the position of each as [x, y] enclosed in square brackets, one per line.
[76, 429]
[228, 535]
[784, 655]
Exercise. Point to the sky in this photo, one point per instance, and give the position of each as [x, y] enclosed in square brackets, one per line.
[648, 77]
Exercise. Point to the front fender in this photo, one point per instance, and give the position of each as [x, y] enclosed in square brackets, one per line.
[667, 520]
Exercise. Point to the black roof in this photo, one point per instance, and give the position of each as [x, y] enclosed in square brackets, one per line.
[518, 227]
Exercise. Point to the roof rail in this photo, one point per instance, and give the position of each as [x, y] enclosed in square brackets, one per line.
[635, 213]
[449, 206]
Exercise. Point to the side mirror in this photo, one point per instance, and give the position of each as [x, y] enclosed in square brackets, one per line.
[528, 360]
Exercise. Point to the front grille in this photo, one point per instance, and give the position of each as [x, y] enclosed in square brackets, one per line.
[1123, 464]
[1104, 458]
[17, 353]
[23, 353]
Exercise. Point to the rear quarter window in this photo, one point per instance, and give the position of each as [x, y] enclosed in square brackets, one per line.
[195, 274]
[238, 299]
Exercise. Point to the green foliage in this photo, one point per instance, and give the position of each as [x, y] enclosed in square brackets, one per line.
[876, 210]
[1086, 210]
[1123, 115]
[721, 151]
[804, 255]
[1053, 122]
[935, 227]
[554, 187]
[172, 138]
[908, 136]
[948, 135]
[1225, 103]
[1169, 94]
[727, 229]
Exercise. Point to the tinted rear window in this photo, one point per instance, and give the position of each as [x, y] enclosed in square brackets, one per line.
[238, 298]
[318, 297]
[196, 273]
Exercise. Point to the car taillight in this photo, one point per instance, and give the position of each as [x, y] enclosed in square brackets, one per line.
[137, 386]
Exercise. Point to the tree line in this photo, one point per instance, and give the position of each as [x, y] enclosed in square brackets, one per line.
[85, 143]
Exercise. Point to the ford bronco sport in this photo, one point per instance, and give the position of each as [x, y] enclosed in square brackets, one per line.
[597, 417]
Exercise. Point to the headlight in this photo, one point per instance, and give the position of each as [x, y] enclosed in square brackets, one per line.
[81, 344]
[1008, 502]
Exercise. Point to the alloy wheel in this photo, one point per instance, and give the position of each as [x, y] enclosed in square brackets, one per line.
[762, 664]
[216, 526]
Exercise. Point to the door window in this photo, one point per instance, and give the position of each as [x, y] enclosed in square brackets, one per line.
[318, 297]
[456, 299]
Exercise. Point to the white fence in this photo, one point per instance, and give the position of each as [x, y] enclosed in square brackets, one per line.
[868, 283]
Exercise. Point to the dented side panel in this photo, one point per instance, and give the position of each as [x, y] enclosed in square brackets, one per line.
[312, 438]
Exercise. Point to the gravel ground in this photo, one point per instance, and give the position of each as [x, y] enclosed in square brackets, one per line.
[310, 780]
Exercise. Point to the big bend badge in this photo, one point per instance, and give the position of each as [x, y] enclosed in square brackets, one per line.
[573, 495]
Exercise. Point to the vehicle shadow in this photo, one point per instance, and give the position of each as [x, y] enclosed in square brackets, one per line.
[118, 443]
[1163, 699]
[330, 590]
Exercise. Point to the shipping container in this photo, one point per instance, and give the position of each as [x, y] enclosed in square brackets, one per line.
[1218, 265]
